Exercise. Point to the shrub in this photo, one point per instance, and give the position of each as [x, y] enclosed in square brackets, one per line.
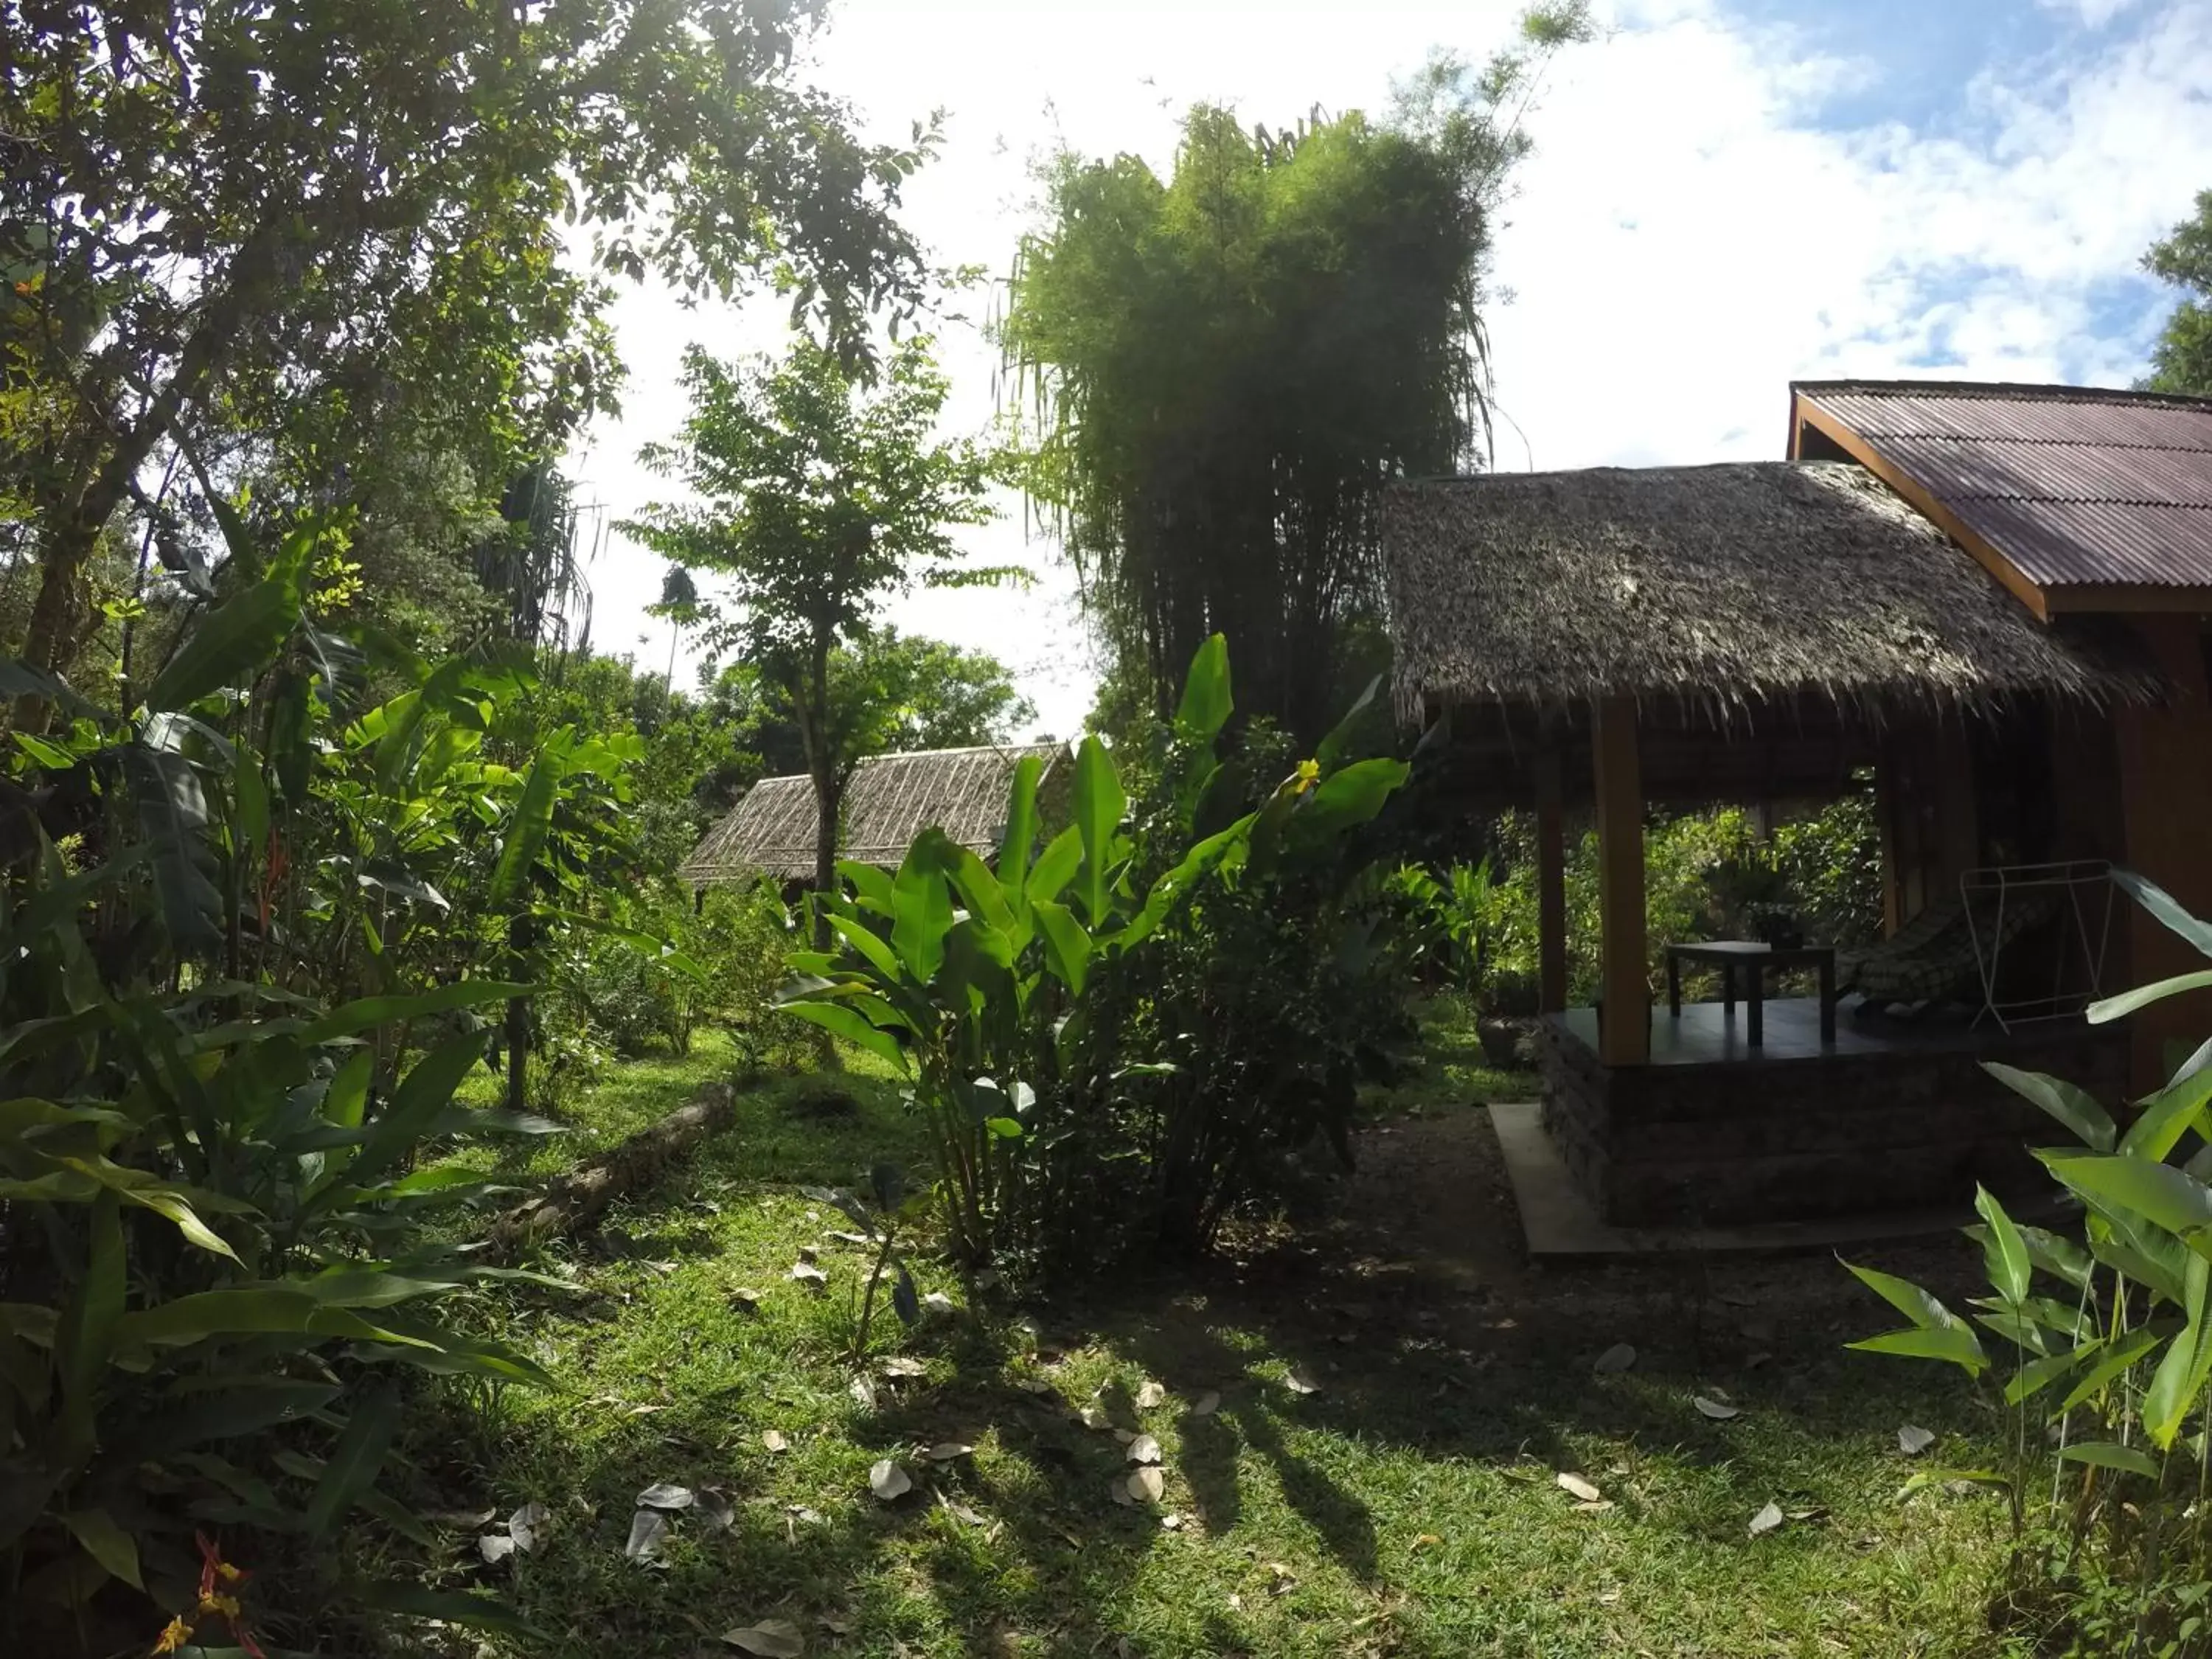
[2108, 1338]
[1119, 1037]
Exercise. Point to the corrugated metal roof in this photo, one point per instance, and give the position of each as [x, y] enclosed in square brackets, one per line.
[2074, 485]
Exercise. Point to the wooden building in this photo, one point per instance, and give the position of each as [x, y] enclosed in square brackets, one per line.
[890, 799]
[1991, 598]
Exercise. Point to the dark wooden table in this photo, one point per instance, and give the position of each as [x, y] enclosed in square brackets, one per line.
[1728, 955]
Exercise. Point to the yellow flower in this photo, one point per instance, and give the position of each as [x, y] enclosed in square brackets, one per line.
[173, 1639]
[225, 1605]
[1308, 775]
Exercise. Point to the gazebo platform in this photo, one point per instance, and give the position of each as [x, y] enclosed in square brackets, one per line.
[1891, 1118]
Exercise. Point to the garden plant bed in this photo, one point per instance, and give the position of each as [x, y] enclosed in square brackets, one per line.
[1360, 1423]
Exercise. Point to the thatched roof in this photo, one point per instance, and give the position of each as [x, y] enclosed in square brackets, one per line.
[890, 799]
[1719, 586]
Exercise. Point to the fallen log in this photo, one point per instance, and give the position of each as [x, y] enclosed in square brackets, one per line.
[574, 1200]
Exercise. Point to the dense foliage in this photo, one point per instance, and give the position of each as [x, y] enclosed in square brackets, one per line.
[325, 242]
[2109, 1339]
[1226, 366]
[1124, 1031]
[2181, 361]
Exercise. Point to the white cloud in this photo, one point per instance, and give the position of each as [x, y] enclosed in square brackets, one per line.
[1682, 244]
[2094, 14]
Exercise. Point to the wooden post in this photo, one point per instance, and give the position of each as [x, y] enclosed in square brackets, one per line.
[1625, 1035]
[1551, 886]
[1957, 827]
[2166, 801]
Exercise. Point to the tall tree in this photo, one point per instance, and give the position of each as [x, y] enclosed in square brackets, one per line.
[1228, 364]
[818, 500]
[2181, 361]
[317, 219]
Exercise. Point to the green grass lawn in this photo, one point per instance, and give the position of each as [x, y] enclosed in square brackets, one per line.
[1360, 1423]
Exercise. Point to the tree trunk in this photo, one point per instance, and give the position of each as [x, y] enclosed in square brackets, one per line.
[812, 708]
[67, 547]
[518, 1019]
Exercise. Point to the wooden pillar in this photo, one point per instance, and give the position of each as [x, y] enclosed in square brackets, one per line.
[1625, 1038]
[2166, 801]
[1551, 886]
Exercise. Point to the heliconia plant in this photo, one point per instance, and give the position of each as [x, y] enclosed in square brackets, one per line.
[2108, 1335]
[1004, 994]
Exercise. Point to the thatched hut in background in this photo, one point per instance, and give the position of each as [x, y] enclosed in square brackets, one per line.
[890, 799]
[1993, 599]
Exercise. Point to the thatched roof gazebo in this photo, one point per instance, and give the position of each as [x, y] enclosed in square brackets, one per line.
[1719, 587]
[1612, 638]
[890, 799]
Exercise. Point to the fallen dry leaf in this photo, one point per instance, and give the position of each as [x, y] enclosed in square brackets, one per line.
[1576, 1487]
[1207, 1404]
[494, 1549]
[1033, 1385]
[747, 1299]
[1125, 1436]
[809, 1254]
[525, 1525]
[772, 1638]
[1912, 1440]
[647, 1528]
[1151, 1395]
[1172, 1521]
[1719, 1410]
[1093, 1417]
[900, 1365]
[664, 1495]
[1594, 1506]
[1144, 1450]
[1298, 1382]
[715, 1510]
[773, 1440]
[809, 1276]
[1766, 1520]
[1618, 1358]
[853, 1238]
[1285, 1580]
[1147, 1485]
[945, 1451]
[864, 1391]
[467, 1520]
[938, 1301]
[888, 1480]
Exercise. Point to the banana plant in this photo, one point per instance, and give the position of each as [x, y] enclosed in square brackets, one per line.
[2109, 1333]
[1001, 992]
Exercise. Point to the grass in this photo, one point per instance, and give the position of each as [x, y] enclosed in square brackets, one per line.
[1378, 1476]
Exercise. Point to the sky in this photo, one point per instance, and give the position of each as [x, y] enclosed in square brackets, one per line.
[1724, 195]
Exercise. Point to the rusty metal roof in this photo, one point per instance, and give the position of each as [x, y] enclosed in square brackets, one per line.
[2074, 485]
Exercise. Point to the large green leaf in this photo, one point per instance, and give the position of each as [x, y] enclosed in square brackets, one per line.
[172, 817]
[2166, 908]
[869, 946]
[2127, 1002]
[2117, 1356]
[2169, 1114]
[1174, 884]
[871, 888]
[2075, 1108]
[1349, 796]
[85, 1334]
[367, 1013]
[1018, 841]
[347, 1097]
[841, 1021]
[423, 1093]
[923, 898]
[1100, 802]
[1338, 744]
[356, 1460]
[231, 644]
[1907, 1298]
[245, 1405]
[2109, 1454]
[1056, 866]
[1205, 705]
[985, 898]
[2004, 1251]
[2039, 1374]
[527, 825]
[2158, 1192]
[105, 1542]
[1067, 943]
[1957, 1346]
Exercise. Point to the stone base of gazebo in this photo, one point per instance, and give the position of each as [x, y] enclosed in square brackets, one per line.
[1890, 1117]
